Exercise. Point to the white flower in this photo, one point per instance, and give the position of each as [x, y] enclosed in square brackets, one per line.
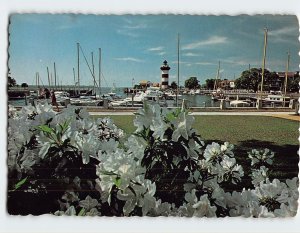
[287, 209]
[140, 194]
[191, 197]
[69, 212]
[136, 146]
[89, 203]
[88, 145]
[259, 175]
[161, 209]
[186, 210]
[158, 127]
[231, 170]
[293, 187]
[183, 125]
[212, 151]
[227, 148]
[204, 208]
[146, 116]
[265, 156]
[28, 159]
[269, 189]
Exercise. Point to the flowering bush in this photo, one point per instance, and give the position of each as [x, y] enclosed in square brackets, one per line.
[69, 163]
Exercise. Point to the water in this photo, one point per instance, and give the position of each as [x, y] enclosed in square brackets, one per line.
[200, 101]
[191, 100]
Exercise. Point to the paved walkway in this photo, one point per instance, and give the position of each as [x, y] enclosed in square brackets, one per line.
[285, 115]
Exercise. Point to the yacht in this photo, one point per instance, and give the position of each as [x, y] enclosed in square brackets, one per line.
[276, 98]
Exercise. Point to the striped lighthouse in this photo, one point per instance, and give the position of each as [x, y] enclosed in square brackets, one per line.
[165, 75]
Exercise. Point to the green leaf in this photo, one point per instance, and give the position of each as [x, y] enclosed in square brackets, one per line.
[20, 183]
[45, 128]
[108, 173]
[118, 182]
[81, 212]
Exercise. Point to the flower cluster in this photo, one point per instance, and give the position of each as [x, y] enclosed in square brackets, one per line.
[163, 169]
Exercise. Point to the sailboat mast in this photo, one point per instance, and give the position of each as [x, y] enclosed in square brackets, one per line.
[78, 76]
[36, 79]
[217, 76]
[286, 72]
[177, 92]
[264, 60]
[54, 75]
[286, 75]
[99, 72]
[74, 80]
[48, 76]
[93, 67]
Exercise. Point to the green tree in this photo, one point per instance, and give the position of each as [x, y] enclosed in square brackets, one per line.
[173, 85]
[251, 80]
[24, 85]
[11, 82]
[209, 83]
[191, 83]
[293, 83]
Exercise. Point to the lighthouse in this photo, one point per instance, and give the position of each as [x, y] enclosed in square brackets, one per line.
[165, 75]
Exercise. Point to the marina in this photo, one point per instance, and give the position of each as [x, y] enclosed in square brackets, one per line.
[152, 115]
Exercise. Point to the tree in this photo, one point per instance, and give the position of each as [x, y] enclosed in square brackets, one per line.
[24, 85]
[251, 80]
[174, 85]
[210, 83]
[191, 83]
[293, 83]
[11, 82]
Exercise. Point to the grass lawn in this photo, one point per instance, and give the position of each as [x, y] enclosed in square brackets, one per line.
[246, 133]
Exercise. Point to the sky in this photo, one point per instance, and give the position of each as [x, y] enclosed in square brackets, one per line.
[135, 46]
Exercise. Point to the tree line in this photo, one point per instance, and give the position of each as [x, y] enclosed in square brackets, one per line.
[251, 80]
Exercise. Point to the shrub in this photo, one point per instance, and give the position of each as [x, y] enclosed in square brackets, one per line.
[74, 165]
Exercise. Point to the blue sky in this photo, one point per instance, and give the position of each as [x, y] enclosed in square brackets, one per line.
[134, 47]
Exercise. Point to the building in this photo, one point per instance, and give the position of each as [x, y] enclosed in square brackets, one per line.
[226, 84]
[165, 75]
[278, 83]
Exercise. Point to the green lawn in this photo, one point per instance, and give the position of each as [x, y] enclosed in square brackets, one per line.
[246, 133]
[235, 129]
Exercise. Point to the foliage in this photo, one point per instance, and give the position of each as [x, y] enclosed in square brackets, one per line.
[209, 83]
[164, 169]
[11, 82]
[293, 83]
[251, 79]
[191, 83]
[173, 85]
[24, 85]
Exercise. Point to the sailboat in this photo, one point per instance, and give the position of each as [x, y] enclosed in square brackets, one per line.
[217, 93]
[87, 97]
[275, 98]
[112, 91]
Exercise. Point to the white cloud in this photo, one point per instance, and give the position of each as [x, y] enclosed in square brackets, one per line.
[239, 61]
[161, 53]
[191, 54]
[205, 63]
[138, 26]
[126, 32]
[129, 59]
[290, 31]
[284, 34]
[159, 48]
[180, 62]
[213, 40]
[130, 29]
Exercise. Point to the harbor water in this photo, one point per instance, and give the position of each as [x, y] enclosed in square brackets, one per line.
[191, 100]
